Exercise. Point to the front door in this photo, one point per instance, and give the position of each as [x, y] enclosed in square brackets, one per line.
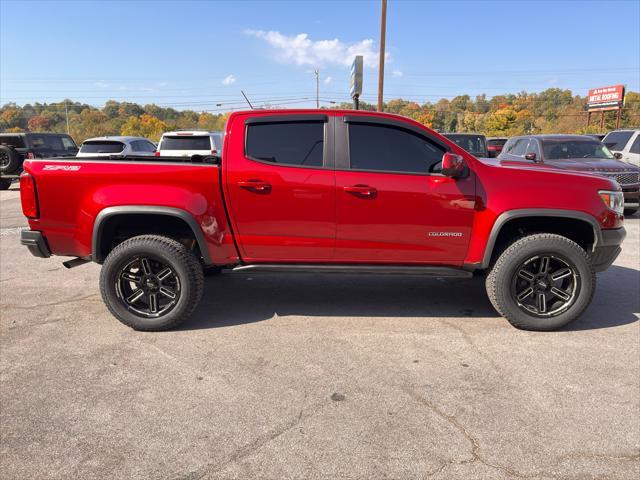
[393, 205]
[281, 187]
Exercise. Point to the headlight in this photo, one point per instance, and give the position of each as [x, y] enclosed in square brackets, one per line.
[613, 200]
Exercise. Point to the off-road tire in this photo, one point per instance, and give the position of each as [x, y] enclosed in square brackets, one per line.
[170, 252]
[628, 212]
[500, 278]
[11, 160]
[5, 183]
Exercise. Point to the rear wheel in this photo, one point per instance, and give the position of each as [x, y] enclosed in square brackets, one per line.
[541, 282]
[151, 282]
[5, 183]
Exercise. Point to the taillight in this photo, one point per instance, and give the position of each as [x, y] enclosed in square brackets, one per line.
[156, 154]
[28, 195]
[213, 152]
[30, 155]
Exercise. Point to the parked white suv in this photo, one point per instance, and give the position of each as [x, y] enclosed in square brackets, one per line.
[626, 143]
[185, 143]
[107, 146]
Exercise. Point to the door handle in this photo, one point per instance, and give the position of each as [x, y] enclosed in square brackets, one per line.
[364, 191]
[257, 186]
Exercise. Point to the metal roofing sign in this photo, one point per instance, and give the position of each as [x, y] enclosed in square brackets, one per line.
[606, 97]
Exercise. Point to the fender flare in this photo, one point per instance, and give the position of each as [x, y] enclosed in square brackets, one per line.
[110, 212]
[505, 217]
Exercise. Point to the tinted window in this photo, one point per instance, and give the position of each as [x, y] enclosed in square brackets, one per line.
[383, 148]
[187, 142]
[519, 147]
[46, 142]
[617, 140]
[289, 143]
[563, 149]
[635, 148]
[102, 146]
[147, 146]
[496, 142]
[473, 144]
[13, 140]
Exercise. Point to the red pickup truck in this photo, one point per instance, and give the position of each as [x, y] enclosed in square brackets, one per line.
[325, 191]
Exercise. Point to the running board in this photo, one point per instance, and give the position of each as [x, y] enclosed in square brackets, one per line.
[433, 271]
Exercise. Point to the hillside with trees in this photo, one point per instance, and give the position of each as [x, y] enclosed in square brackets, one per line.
[552, 111]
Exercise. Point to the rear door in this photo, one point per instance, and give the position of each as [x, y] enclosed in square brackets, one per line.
[280, 187]
[393, 205]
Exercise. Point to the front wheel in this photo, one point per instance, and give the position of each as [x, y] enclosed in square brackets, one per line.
[541, 282]
[151, 282]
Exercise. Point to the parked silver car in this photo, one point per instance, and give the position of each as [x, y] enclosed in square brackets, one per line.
[121, 146]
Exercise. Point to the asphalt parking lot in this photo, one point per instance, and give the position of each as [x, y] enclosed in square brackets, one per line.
[312, 376]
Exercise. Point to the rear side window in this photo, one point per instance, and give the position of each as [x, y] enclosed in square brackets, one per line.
[635, 148]
[186, 142]
[391, 149]
[286, 143]
[102, 146]
[13, 140]
[617, 140]
[46, 142]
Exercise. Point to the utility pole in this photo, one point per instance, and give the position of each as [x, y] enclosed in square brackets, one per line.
[317, 74]
[383, 31]
[66, 114]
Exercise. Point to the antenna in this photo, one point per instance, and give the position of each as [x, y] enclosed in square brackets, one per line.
[245, 97]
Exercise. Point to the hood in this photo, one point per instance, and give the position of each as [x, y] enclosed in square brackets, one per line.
[600, 165]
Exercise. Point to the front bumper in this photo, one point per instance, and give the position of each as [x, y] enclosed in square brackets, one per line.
[36, 243]
[608, 249]
[631, 196]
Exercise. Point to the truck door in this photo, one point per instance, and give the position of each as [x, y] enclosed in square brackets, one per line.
[280, 185]
[393, 205]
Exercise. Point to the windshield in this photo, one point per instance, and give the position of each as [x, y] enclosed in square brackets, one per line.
[563, 149]
[471, 143]
[186, 143]
[102, 146]
[617, 140]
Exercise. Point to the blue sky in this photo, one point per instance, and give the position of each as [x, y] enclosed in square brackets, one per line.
[199, 55]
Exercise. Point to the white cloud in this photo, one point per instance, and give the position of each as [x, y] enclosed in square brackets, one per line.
[328, 80]
[101, 84]
[396, 73]
[229, 80]
[301, 50]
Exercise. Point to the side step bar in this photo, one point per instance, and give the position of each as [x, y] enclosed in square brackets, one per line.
[433, 271]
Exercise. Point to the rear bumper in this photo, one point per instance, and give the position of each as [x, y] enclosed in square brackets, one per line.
[36, 243]
[605, 253]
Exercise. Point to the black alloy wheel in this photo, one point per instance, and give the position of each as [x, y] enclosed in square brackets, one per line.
[545, 285]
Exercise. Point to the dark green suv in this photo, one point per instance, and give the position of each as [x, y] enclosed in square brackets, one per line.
[16, 147]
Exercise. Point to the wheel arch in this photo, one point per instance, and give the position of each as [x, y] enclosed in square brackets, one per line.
[110, 213]
[514, 218]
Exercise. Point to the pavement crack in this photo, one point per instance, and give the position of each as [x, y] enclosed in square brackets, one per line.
[473, 441]
[256, 444]
[53, 304]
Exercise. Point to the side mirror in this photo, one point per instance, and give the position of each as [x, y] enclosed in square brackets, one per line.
[530, 156]
[452, 165]
[617, 155]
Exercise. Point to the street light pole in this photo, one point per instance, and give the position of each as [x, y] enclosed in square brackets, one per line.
[383, 31]
[317, 74]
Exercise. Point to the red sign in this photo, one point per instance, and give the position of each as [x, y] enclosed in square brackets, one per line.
[606, 97]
